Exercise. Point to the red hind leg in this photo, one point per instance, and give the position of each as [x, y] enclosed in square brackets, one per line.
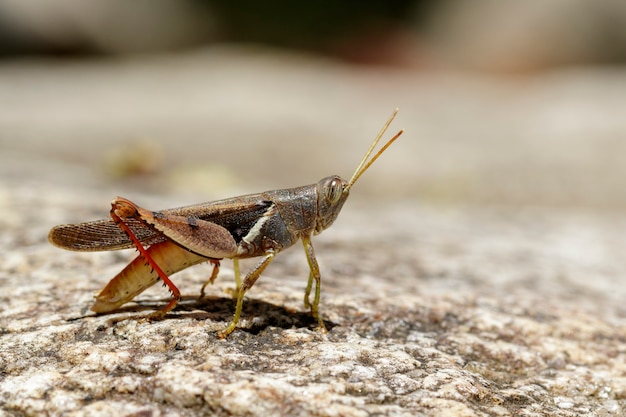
[121, 209]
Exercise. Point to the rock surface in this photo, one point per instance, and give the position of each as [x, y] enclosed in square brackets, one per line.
[435, 307]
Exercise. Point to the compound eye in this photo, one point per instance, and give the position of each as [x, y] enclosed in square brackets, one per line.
[335, 190]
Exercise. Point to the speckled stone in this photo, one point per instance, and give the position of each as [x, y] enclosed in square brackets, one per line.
[440, 307]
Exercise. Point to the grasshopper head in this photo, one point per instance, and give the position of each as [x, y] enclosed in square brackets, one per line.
[332, 192]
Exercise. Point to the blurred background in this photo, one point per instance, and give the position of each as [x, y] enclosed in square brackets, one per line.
[503, 103]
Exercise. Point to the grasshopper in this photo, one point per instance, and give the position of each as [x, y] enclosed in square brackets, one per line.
[254, 225]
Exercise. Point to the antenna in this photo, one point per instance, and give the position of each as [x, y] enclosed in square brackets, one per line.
[364, 164]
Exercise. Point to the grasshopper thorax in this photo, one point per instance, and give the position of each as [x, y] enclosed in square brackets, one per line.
[332, 192]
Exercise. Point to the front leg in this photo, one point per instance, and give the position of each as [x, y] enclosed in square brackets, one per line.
[313, 275]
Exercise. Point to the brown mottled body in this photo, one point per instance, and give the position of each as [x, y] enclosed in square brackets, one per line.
[254, 225]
